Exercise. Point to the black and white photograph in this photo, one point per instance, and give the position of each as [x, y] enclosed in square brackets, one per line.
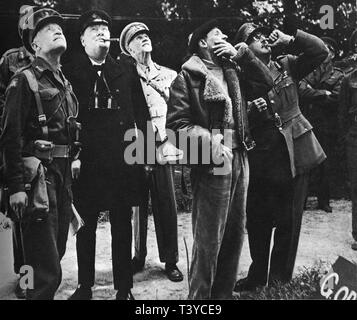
[190, 151]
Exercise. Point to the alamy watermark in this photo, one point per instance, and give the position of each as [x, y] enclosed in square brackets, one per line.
[26, 277]
[196, 148]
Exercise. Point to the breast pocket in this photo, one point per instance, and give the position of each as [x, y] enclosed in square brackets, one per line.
[51, 102]
[287, 91]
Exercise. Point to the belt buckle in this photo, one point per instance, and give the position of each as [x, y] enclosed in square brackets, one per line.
[277, 120]
[67, 148]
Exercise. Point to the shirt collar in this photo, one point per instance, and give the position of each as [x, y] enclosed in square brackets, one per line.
[148, 72]
[41, 65]
[95, 63]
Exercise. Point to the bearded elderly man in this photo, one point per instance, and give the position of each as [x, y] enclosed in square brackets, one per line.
[207, 102]
[151, 84]
[39, 135]
[106, 182]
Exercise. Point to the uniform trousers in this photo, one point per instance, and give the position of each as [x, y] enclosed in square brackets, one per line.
[160, 184]
[351, 141]
[44, 239]
[275, 200]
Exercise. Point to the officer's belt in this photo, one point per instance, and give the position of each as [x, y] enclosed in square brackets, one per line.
[61, 151]
[55, 151]
[286, 116]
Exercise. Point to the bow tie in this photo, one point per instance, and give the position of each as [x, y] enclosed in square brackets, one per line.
[98, 67]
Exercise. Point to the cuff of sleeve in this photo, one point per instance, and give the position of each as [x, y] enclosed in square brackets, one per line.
[298, 38]
[245, 54]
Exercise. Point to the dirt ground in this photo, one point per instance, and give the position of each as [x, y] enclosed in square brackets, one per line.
[324, 236]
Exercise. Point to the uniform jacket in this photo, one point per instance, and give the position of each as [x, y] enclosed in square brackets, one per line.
[141, 112]
[304, 150]
[20, 121]
[313, 87]
[196, 98]
[105, 176]
[11, 61]
[348, 102]
[348, 64]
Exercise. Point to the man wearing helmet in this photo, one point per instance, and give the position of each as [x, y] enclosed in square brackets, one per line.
[38, 139]
[11, 61]
[14, 59]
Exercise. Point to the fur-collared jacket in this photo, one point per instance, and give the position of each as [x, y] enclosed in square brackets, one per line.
[196, 97]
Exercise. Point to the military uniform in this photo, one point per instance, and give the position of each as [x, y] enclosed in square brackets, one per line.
[153, 90]
[321, 110]
[160, 181]
[348, 129]
[348, 64]
[286, 150]
[11, 61]
[44, 238]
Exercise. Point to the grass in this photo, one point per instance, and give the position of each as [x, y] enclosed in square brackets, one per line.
[304, 286]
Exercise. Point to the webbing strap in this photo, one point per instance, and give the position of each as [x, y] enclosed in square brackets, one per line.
[33, 84]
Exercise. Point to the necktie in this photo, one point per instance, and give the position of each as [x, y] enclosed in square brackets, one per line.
[98, 67]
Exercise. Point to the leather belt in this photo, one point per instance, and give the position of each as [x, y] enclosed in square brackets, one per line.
[61, 151]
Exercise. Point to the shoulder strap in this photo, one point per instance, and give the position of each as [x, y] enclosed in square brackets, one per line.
[32, 81]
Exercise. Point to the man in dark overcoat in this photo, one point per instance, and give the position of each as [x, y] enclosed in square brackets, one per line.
[107, 181]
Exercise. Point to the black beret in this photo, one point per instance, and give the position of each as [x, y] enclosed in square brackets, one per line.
[200, 33]
[93, 17]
